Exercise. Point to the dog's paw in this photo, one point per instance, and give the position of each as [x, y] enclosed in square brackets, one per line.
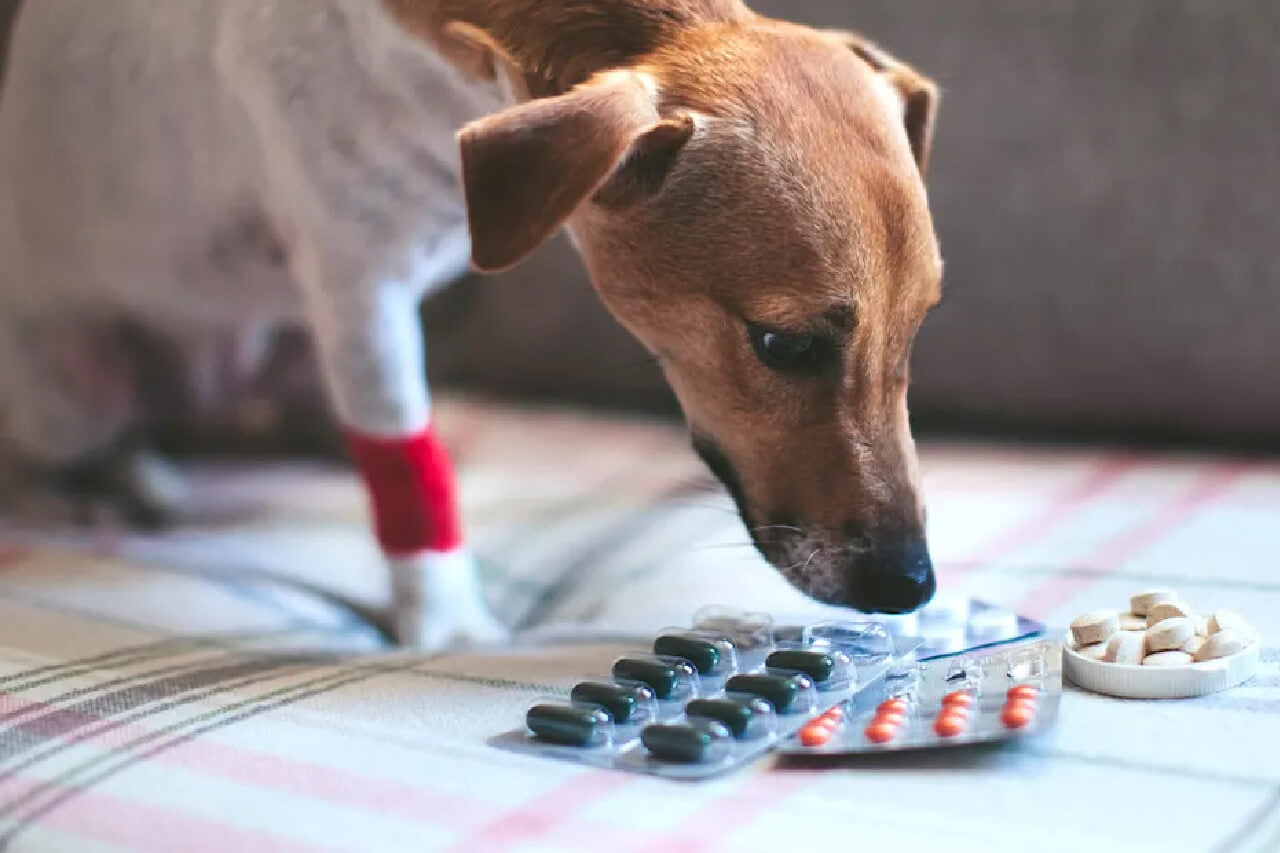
[132, 488]
[478, 629]
[438, 604]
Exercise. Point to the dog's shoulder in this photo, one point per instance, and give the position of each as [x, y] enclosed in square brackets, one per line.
[362, 111]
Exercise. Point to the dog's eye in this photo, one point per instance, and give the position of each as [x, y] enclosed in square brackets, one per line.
[787, 352]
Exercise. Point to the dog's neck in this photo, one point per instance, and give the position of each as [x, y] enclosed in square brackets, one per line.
[556, 44]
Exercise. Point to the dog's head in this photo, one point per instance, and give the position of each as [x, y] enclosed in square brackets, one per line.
[748, 197]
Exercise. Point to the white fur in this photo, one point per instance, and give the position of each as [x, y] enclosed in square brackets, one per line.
[441, 603]
[203, 164]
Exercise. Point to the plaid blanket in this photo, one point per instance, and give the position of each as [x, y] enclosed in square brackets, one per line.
[220, 688]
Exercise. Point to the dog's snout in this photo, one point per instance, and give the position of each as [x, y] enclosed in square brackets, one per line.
[894, 576]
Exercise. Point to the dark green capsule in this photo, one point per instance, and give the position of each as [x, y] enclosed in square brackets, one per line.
[683, 744]
[703, 654]
[566, 726]
[662, 677]
[781, 691]
[735, 716]
[619, 701]
[817, 665]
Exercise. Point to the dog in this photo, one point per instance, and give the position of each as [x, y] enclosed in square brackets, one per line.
[747, 194]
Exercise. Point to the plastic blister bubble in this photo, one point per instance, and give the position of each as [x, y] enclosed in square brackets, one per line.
[1025, 667]
[697, 741]
[752, 633]
[946, 609]
[828, 667]
[788, 694]
[629, 703]
[943, 637]
[989, 625]
[713, 654]
[747, 717]
[560, 723]
[902, 681]
[965, 674]
[859, 640]
[901, 624]
[672, 679]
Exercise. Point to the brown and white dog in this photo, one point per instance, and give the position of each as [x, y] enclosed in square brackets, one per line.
[747, 195]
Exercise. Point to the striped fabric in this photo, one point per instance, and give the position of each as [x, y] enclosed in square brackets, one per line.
[219, 688]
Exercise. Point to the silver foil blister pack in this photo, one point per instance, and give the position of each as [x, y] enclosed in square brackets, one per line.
[705, 699]
[951, 625]
[708, 698]
[982, 696]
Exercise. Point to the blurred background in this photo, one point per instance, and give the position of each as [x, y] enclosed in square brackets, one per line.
[1106, 185]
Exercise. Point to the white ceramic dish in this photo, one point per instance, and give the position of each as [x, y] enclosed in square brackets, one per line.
[1157, 682]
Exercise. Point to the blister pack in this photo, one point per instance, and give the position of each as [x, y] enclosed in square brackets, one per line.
[705, 699]
[981, 696]
[951, 625]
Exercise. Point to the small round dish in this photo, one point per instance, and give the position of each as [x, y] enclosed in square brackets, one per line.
[1157, 682]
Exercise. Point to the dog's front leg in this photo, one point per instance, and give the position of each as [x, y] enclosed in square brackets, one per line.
[369, 341]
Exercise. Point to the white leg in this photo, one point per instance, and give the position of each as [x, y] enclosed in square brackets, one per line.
[370, 345]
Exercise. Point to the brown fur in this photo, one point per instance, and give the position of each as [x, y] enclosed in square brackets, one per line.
[770, 181]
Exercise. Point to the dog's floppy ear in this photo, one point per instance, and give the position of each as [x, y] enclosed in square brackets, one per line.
[526, 170]
[919, 94]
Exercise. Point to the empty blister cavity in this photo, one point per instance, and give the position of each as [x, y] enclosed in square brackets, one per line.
[672, 679]
[988, 626]
[629, 703]
[752, 633]
[712, 654]
[944, 637]
[828, 668]
[946, 609]
[965, 674]
[746, 717]
[902, 680]
[566, 725]
[1025, 666]
[788, 694]
[858, 640]
[900, 624]
[699, 741]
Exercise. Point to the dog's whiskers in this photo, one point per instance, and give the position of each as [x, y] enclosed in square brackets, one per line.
[789, 527]
[687, 505]
[713, 546]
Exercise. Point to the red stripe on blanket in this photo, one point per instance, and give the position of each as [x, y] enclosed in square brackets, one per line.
[1113, 553]
[1078, 495]
[411, 490]
[135, 825]
[709, 828]
[539, 817]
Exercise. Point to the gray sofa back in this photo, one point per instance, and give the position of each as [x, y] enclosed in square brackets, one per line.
[1106, 184]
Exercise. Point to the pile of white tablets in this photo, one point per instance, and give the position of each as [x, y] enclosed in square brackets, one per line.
[1158, 630]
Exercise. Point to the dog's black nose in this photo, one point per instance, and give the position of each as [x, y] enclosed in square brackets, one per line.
[896, 576]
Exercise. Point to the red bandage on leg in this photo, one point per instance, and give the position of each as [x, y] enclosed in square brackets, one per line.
[411, 487]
